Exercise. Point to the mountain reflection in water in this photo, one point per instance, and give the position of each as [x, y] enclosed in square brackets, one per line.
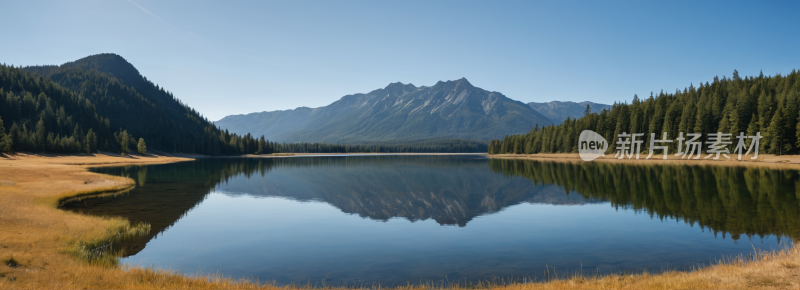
[455, 190]
[375, 187]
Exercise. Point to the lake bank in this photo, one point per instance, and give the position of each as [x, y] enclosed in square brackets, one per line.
[764, 160]
[774, 269]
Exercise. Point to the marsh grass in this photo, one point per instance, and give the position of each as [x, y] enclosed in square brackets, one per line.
[105, 249]
[118, 185]
[69, 198]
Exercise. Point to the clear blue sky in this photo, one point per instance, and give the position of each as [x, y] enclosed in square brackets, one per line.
[236, 57]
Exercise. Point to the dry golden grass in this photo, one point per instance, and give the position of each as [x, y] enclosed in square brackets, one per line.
[38, 242]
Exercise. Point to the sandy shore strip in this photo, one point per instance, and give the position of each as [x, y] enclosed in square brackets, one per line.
[764, 160]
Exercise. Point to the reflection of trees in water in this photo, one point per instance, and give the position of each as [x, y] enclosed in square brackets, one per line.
[166, 193]
[735, 200]
[449, 190]
[751, 201]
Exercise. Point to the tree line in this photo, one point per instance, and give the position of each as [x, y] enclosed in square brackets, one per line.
[249, 145]
[766, 104]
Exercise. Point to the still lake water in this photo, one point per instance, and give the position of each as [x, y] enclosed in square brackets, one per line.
[410, 219]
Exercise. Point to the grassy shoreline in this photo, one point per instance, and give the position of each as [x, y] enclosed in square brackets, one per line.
[40, 244]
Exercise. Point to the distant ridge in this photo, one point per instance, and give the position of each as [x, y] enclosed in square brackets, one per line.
[448, 109]
[559, 111]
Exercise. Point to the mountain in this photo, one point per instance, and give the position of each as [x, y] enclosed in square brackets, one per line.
[129, 100]
[101, 102]
[452, 109]
[559, 111]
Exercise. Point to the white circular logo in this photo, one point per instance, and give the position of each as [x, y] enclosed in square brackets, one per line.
[591, 145]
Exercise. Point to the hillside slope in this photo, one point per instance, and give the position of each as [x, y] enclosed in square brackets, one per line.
[101, 102]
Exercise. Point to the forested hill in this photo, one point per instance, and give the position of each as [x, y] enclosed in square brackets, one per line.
[766, 104]
[398, 112]
[101, 102]
[132, 102]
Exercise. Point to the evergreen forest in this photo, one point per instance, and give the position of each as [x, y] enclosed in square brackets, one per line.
[765, 104]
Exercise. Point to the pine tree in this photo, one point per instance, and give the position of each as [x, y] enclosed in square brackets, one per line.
[517, 145]
[5, 140]
[636, 120]
[91, 142]
[588, 110]
[506, 149]
[790, 116]
[656, 122]
[752, 129]
[798, 132]
[51, 146]
[14, 133]
[262, 145]
[735, 122]
[776, 131]
[703, 120]
[123, 142]
[766, 106]
[724, 124]
[41, 136]
[141, 147]
[687, 118]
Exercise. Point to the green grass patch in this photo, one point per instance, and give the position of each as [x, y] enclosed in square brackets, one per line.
[105, 249]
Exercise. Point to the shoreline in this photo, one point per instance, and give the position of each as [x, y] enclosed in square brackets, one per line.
[32, 185]
[764, 160]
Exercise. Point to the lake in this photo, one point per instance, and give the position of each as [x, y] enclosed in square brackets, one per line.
[401, 219]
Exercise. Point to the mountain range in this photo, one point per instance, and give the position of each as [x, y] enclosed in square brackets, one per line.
[448, 109]
[102, 102]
